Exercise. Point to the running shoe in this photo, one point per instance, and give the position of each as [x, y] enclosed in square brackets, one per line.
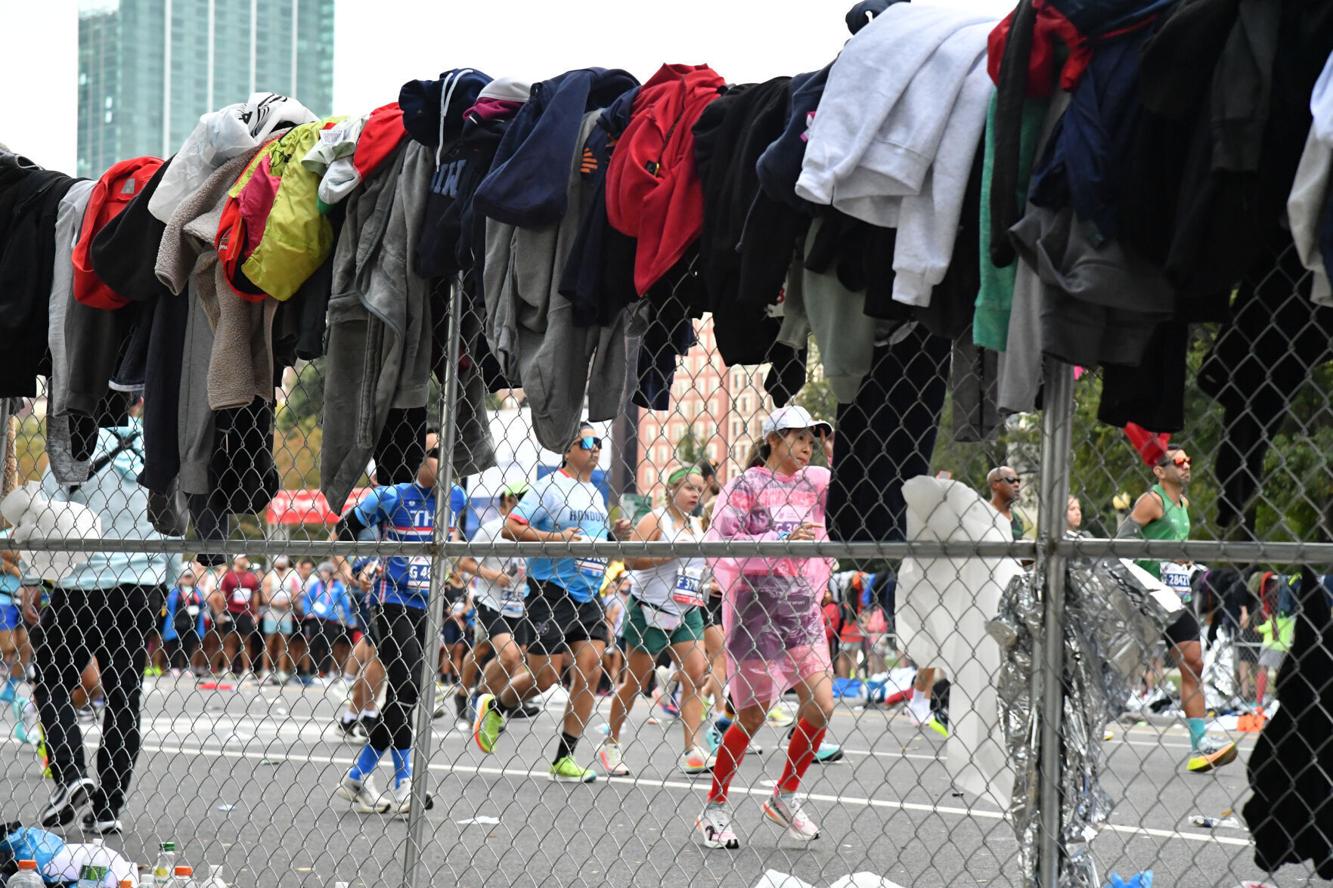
[400, 799]
[714, 825]
[353, 730]
[100, 825]
[566, 770]
[489, 724]
[65, 802]
[828, 753]
[695, 761]
[527, 710]
[669, 706]
[1212, 752]
[779, 717]
[937, 726]
[787, 812]
[611, 759]
[364, 795]
[712, 738]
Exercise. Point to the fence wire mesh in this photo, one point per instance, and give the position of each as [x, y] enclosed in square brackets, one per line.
[635, 600]
[880, 639]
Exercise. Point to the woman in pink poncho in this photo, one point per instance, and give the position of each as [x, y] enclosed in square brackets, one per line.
[772, 618]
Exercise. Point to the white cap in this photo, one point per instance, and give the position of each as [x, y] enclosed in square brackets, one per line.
[794, 417]
[506, 88]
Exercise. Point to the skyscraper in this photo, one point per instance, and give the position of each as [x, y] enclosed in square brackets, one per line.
[149, 68]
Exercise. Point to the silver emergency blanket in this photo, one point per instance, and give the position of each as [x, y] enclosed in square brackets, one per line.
[1114, 616]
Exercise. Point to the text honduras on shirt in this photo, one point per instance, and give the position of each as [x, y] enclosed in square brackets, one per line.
[406, 513]
[558, 502]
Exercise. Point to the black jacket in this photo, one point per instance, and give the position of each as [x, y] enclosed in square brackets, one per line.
[29, 201]
[1290, 815]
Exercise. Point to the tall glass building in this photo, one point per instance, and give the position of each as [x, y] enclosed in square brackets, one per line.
[149, 68]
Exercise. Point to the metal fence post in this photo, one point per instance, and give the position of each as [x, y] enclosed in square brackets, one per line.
[421, 747]
[1057, 420]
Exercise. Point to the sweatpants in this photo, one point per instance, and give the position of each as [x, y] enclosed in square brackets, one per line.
[400, 640]
[113, 626]
[886, 436]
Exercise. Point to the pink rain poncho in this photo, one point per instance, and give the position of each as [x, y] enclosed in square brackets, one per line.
[771, 607]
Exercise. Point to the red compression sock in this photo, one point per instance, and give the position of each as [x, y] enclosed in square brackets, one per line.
[729, 755]
[805, 742]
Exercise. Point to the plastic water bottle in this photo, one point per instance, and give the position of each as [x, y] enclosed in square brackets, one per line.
[26, 877]
[166, 863]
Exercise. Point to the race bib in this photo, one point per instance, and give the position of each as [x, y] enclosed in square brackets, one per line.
[1176, 577]
[591, 568]
[511, 599]
[193, 610]
[418, 572]
[322, 609]
[688, 591]
[242, 595]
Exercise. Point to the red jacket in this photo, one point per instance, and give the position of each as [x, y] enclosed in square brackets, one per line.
[652, 187]
[109, 197]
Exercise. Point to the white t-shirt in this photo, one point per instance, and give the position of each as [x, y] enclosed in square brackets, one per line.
[507, 601]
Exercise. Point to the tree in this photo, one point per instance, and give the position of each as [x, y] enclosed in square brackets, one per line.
[689, 449]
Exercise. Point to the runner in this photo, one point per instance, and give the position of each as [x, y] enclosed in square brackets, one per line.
[1163, 514]
[563, 606]
[771, 612]
[665, 612]
[183, 626]
[499, 587]
[240, 588]
[282, 589]
[14, 648]
[363, 667]
[404, 513]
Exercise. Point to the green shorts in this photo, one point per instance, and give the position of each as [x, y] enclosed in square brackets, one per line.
[639, 636]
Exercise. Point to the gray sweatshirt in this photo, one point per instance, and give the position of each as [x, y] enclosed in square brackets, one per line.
[59, 447]
[380, 326]
[530, 325]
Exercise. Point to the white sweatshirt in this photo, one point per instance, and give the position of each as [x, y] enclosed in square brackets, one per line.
[896, 131]
[1310, 189]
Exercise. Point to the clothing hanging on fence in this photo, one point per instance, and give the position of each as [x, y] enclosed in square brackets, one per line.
[1290, 814]
[590, 221]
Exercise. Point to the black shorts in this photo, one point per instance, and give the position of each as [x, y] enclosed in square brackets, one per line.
[559, 621]
[365, 618]
[713, 611]
[451, 633]
[245, 625]
[492, 623]
[1185, 628]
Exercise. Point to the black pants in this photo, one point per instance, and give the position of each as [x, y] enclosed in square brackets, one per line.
[111, 625]
[322, 635]
[180, 650]
[400, 639]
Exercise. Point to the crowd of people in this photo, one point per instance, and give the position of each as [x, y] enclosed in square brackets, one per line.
[716, 643]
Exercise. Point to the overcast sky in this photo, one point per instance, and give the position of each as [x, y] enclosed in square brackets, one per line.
[379, 44]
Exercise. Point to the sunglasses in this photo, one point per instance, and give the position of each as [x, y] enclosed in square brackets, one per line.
[588, 442]
[1180, 461]
[1013, 480]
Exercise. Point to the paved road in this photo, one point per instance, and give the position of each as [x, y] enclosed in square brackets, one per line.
[243, 779]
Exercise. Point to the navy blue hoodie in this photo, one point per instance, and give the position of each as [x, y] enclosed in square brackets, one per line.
[526, 185]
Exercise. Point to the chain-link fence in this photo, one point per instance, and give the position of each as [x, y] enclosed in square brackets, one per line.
[901, 708]
[554, 542]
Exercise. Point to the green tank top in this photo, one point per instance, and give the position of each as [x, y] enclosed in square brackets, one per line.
[1173, 525]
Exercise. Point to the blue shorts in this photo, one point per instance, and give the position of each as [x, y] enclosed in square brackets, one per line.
[10, 618]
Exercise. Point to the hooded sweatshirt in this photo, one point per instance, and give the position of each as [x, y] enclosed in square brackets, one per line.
[526, 185]
[907, 162]
[653, 191]
[1310, 191]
